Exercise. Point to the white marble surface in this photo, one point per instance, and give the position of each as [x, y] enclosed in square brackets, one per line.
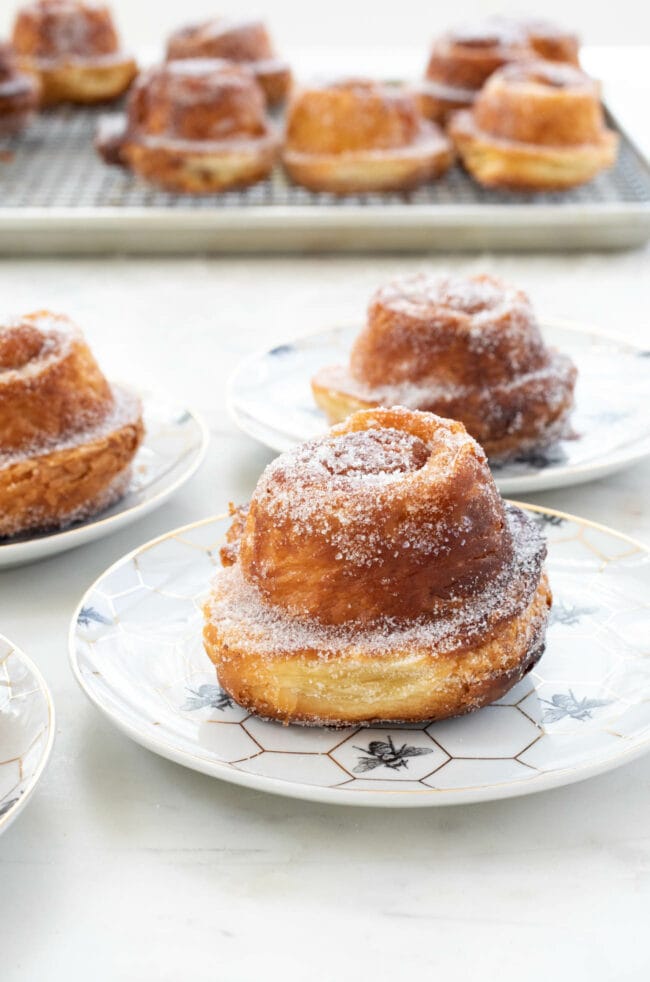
[126, 866]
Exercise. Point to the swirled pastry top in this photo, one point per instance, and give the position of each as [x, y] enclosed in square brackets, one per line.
[465, 57]
[197, 99]
[222, 37]
[64, 30]
[352, 115]
[452, 330]
[540, 103]
[50, 384]
[393, 514]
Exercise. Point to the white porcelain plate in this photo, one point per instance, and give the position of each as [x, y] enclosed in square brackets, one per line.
[26, 730]
[174, 446]
[135, 648]
[270, 399]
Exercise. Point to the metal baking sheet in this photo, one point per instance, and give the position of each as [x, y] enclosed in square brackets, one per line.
[56, 196]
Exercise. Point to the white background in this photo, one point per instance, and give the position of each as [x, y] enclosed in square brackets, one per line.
[351, 23]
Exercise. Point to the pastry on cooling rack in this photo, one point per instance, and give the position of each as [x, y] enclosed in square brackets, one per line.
[19, 94]
[535, 126]
[245, 41]
[194, 126]
[358, 135]
[377, 575]
[67, 437]
[73, 49]
[463, 59]
[464, 347]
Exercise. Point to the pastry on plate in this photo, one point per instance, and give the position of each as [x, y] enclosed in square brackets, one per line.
[377, 575]
[19, 94]
[245, 41]
[535, 126]
[357, 135]
[194, 126]
[463, 59]
[468, 348]
[73, 49]
[67, 437]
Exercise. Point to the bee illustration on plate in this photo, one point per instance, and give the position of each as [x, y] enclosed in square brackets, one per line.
[554, 521]
[88, 616]
[569, 615]
[207, 697]
[564, 704]
[384, 753]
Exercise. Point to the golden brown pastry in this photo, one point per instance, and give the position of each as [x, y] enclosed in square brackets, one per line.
[463, 59]
[464, 347]
[536, 126]
[245, 41]
[357, 135]
[67, 438]
[194, 126]
[19, 94]
[377, 575]
[73, 49]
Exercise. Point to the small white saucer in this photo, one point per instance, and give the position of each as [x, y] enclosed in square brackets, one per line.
[175, 443]
[136, 650]
[26, 730]
[269, 397]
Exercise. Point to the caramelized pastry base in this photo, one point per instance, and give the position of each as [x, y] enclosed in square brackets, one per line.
[528, 167]
[52, 488]
[415, 684]
[507, 420]
[82, 81]
[399, 169]
[201, 168]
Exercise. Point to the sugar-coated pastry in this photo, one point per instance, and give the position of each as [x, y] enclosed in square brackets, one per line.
[358, 135]
[377, 575]
[72, 47]
[245, 41]
[463, 59]
[194, 126]
[464, 347]
[535, 126]
[19, 94]
[67, 437]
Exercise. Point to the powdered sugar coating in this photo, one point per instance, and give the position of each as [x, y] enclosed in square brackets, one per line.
[466, 348]
[487, 312]
[126, 408]
[57, 335]
[335, 487]
[248, 624]
[496, 402]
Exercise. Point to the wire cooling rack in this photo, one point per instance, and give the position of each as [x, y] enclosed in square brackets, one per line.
[56, 194]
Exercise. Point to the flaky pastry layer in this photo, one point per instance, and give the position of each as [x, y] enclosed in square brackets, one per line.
[51, 487]
[353, 685]
[398, 169]
[508, 420]
[82, 81]
[193, 168]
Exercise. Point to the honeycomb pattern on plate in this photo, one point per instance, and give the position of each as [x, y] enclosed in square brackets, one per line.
[26, 726]
[137, 650]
